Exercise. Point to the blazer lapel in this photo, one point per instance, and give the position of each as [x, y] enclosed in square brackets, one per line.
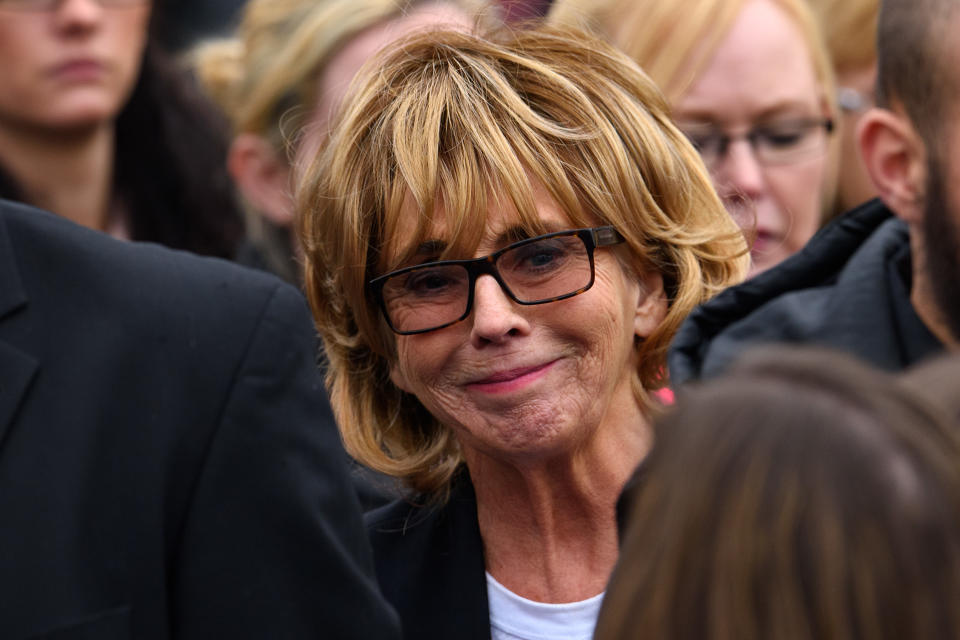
[16, 372]
[17, 368]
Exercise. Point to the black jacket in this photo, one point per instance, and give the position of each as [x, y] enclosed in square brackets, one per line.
[848, 289]
[168, 464]
[429, 561]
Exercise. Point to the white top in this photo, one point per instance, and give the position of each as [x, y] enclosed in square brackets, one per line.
[516, 618]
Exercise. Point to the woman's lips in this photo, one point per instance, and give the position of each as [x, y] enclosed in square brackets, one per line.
[80, 70]
[510, 380]
[764, 242]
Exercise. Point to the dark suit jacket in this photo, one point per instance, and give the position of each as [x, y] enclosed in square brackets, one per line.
[430, 565]
[168, 464]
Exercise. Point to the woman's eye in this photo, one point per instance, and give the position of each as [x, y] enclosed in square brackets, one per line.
[786, 137]
[433, 282]
[704, 141]
[541, 256]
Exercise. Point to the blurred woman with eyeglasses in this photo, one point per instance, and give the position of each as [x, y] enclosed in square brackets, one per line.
[501, 237]
[750, 83]
[98, 126]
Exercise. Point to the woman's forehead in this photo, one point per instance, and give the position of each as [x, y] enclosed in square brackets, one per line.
[463, 229]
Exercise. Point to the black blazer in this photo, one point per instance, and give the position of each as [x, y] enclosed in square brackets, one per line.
[168, 465]
[430, 565]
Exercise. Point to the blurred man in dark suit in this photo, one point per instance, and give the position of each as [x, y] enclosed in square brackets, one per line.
[169, 467]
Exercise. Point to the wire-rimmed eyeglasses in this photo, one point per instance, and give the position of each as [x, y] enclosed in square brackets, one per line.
[774, 143]
[547, 268]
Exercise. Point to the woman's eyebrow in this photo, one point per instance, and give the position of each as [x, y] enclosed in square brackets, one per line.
[433, 247]
[429, 249]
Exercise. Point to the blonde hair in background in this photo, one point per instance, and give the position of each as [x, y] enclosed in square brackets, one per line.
[673, 41]
[464, 123]
[265, 77]
[850, 29]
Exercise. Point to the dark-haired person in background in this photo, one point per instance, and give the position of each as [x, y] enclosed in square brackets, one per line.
[169, 467]
[98, 126]
[883, 281]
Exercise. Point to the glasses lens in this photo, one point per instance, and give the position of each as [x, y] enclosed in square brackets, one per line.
[546, 269]
[789, 141]
[426, 298]
[707, 141]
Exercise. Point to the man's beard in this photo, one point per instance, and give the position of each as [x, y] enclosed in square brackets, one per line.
[941, 233]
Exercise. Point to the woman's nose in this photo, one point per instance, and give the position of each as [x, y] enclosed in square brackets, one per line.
[740, 171]
[78, 15]
[495, 317]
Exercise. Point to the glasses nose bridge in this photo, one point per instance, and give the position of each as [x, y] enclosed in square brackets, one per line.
[486, 266]
[728, 139]
[750, 136]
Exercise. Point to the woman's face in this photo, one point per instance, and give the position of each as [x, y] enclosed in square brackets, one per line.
[521, 382]
[761, 78]
[70, 66]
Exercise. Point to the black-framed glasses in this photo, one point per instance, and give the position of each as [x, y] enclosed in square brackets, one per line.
[774, 143]
[51, 5]
[547, 268]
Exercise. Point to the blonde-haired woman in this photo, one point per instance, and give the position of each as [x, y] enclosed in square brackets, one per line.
[280, 78]
[751, 84]
[501, 238]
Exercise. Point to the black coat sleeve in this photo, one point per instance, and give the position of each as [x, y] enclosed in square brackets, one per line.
[273, 545]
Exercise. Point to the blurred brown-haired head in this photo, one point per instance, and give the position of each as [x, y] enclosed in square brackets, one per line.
[915, 36]
[802, 496]
[938, 380]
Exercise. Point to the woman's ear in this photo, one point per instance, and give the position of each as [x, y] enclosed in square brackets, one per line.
[651, 304]
[895, 158]
[263, 178]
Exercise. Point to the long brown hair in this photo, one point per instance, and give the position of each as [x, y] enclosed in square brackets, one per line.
[803, 496]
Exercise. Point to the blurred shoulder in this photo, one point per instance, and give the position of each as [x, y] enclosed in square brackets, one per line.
[57, 258]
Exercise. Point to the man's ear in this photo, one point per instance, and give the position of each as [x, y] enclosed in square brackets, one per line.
[651, 305]
[262, 177]
[895, 157]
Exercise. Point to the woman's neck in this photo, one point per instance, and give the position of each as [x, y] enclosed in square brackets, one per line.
[68, 173]
[549, 527]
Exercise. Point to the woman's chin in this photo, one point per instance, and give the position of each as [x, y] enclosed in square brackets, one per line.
[524, 440]
[79, 115]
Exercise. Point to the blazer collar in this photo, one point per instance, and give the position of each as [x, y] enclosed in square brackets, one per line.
[17, 368]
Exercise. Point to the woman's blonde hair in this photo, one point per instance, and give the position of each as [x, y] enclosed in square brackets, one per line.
[674, 41]
[265, 77]
[850, 29]
[452, 124]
